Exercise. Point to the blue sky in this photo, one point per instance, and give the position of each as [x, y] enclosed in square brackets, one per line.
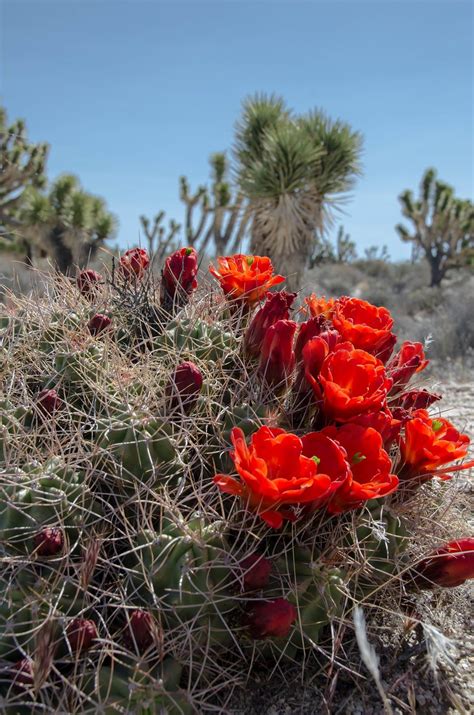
[131, 95]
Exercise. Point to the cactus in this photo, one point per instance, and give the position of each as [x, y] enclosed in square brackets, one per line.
[161, 527]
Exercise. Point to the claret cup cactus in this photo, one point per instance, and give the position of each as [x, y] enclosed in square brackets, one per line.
[197, 478]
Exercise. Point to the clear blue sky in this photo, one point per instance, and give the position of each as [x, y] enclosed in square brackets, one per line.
[133, 94]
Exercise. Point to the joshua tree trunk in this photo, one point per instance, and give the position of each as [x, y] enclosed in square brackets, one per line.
[438, 271]
[59, 250]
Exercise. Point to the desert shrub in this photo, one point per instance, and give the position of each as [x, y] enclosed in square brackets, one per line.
[149, 568]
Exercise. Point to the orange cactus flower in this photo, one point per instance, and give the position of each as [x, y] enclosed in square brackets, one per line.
[450, 565]
[330, 457]
[370, 467]
[365, 325]
[429, 445]
[320, 306]
[245, 278]
[350, 382]
[274, 474]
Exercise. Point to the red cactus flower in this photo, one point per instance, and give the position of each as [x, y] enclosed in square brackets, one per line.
[352, 382]
[407, 361]
[256, 572]
[184, 385]
[134, 263]
[320, 306]
[274, 474]
[88, 282]
[48, 401]
[277, 360]
[179, 275]
[331, 460]
[450, 565]
[384, 421]
[245, 278]
[49, 541]
[365, 325]
[370, 467]
[271, 619]
[429, 445]
[81, 634]
[141, 628]
[277, 307]
[98, 323]
[22, 674]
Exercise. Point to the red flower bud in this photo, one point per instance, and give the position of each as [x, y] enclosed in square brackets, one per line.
[256, 570]
[48, 401]
[277, 307]
[22, 674]
[409, 360]
[142, 629]
[81, 633]
[184, 385]
[277, 359]
[134, 263]
[417, 399]
[450, 565]
[309, 329]
[88, 282]
[49, 541]
[178, 280]
[267, 619]
[98, 323]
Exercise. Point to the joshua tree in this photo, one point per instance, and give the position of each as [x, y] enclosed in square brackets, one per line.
[343, 251]
[21, 166]
[66, 223]
[377, 253]
[160, 242]
[292, 170]
[223, 219]
[443, 225]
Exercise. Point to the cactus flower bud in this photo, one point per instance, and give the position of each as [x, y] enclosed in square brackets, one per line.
[98, 323]
[267, 619]
[48, 401]
[134, 263]
[277, 359]
[22, 674]
[179, 276]
[81, 633]
[49, 541]
[417, 399]
[184, 385]
[277, 307]
[88, 282]
[405, 363]
[141, 627]
[256, 572]
[449, 566]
